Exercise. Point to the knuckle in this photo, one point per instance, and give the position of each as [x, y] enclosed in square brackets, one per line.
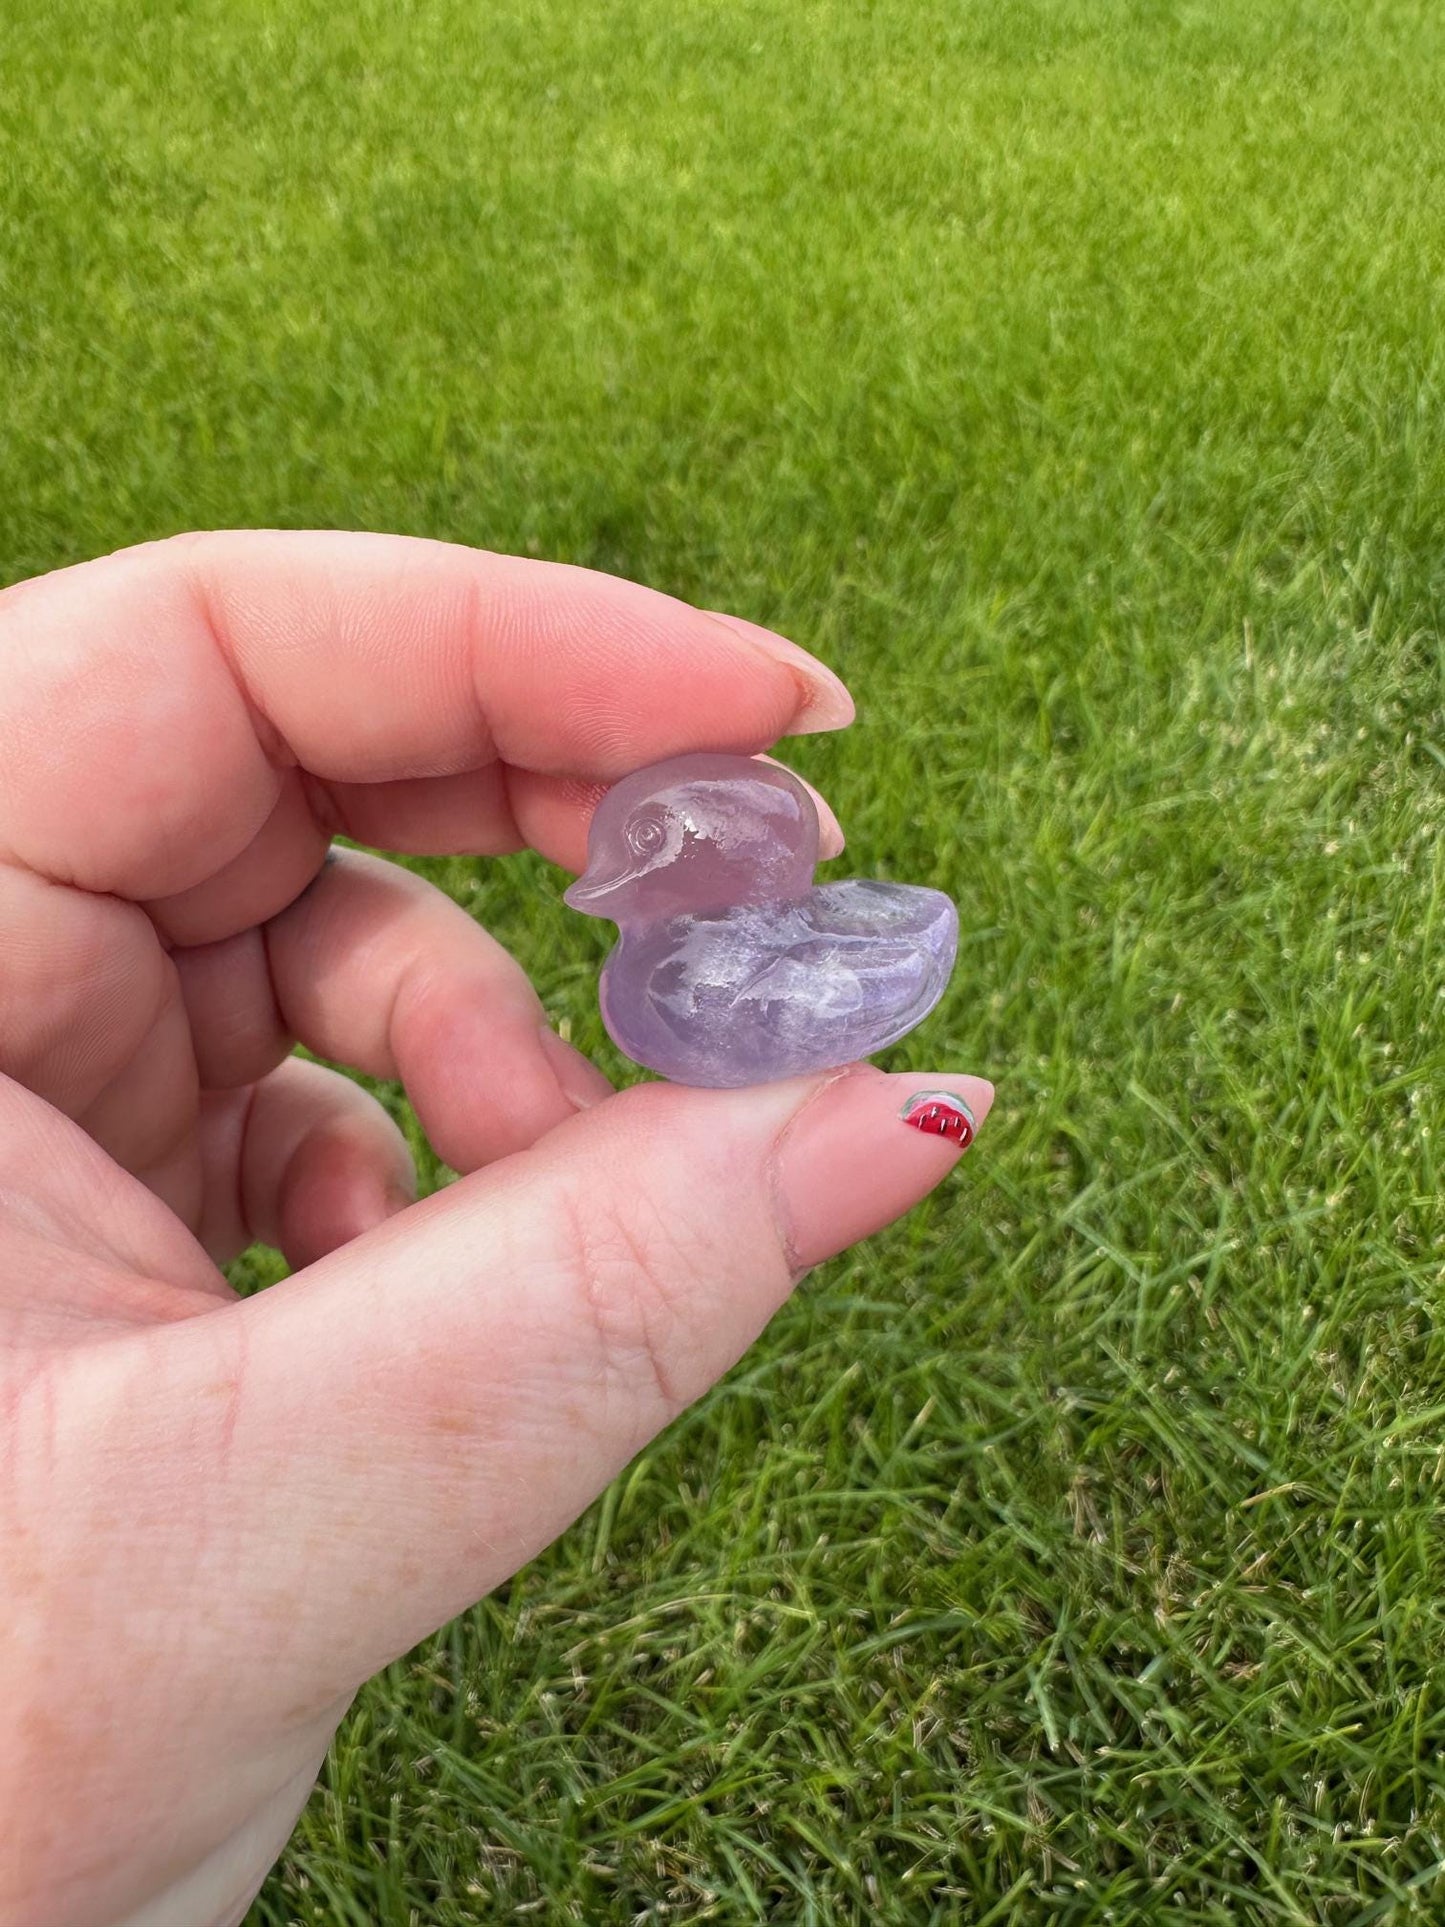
[633, 1276]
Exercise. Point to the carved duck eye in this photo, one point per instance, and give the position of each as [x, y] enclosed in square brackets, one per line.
[646, 835]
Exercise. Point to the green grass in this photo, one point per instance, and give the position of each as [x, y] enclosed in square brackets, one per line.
[1071, 376]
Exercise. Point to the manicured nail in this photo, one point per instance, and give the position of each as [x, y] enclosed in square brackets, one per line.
[578, 1078]
[825, 702]
[844, 1168]
[830, 830]
[942, 1114]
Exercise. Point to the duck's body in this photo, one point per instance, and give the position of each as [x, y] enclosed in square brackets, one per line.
[733, 968]
[757, 992]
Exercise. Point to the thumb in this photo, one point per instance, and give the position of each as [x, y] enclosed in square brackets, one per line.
[419, 1413]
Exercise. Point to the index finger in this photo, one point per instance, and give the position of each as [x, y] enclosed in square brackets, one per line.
[155, 702]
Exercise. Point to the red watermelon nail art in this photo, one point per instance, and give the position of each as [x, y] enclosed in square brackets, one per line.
[941, 1114]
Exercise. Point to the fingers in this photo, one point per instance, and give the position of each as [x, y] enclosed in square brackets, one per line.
[176, 685]
[116, 1253]
[486, 812]
[305, 1161]
[91, 1020]
[186, 724]
[276, 865]
[494, 811]
[423, 1411]
[375, 968]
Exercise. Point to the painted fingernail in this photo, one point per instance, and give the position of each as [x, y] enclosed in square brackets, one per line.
[825, 702]
[941, 1114]
[844, 1169]
[578, 1078]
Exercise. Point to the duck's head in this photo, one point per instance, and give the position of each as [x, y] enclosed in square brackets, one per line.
[697, 833]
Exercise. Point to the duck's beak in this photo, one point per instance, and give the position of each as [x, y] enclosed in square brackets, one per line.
[594, 887]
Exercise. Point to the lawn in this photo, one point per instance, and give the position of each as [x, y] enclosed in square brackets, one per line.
[1071, 376]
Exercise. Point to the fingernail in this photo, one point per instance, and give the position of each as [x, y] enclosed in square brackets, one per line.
[578, 1078]
[830, 830]
[383, 1199]
[942, 1114]
[865, 1149]
[825, 702]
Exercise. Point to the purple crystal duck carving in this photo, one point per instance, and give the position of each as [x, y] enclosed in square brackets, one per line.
[733, 967]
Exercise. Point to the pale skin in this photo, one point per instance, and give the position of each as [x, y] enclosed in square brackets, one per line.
[217, 1517]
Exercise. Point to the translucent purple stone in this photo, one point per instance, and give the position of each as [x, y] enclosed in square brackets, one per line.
[733, 968]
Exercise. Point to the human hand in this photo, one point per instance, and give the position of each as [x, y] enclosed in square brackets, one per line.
[218, 1517]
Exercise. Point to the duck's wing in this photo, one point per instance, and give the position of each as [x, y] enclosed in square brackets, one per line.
[866, 960]
[883, 912]
[757, 992]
